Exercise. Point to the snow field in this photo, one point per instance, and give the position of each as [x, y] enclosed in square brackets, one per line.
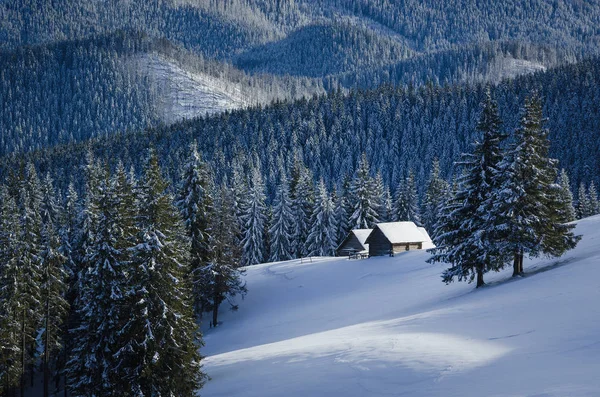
[389, 326]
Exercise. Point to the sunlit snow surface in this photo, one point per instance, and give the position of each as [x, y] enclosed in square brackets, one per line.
[389, 327]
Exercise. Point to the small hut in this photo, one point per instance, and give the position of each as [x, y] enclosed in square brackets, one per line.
[395, 237]
[354, 243]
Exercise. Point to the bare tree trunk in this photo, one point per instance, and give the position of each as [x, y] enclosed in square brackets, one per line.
[480, 282]
[516, 264]
[521, 262]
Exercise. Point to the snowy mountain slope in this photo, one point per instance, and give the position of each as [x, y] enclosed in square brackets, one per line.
[183, 94]
[389, 326]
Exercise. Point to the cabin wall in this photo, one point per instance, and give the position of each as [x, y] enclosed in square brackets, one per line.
[379, 245]
[398, 248]
[351, 244]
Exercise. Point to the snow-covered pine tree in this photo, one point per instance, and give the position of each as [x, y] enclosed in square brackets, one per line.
[282, 223]
[11, 294]
[363, 198]
[221, 278]
[254, 222]
[162, 334]
[469, 238]
[102, 304]
[593, 197]
[528, 198]
[321, 239]
[195, 201]
[566, 196]
[302, 194]
[407, 201]
[584, 204]
[343, 211]
[54, 285]
[30, 269]
[435, 195]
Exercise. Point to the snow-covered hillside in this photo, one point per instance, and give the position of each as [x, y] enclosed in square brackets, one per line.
[389, 327]
[183, 94]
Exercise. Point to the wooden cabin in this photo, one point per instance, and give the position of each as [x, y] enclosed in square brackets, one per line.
[395, 237]
[354, 243]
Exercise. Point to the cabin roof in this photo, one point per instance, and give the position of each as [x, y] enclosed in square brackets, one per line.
[362, 234]
[402, 232]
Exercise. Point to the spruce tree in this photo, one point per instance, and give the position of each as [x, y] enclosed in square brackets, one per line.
[302, 196]
[221, 278]
[468, 240]
[364, 198]
[435, 196]
[566, 196]
[195, 202]
[343, 211]
[584, 204]
[254, 222]
[321, 239]
[407, 201]
[30, 270]
[529, 200]
[593, 197]
[282, 224]
[163, 336]
[11, 294]
[101, 303]
[54, 284]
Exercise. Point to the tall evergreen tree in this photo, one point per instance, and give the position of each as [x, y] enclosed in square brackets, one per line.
[584, 204]
[54, 284]
[566, 196]
[593, 197]
[407, 201]
[254, 222]
[164, 338]
[302, 196]
[435, 196]
[282, 224]
[343, 210]
[469, 238]
[529, 199]
[195, 202]
[221, 278]
[321, 239]
[30, 264]
[102, 298]
[11, 294]
[364, 198]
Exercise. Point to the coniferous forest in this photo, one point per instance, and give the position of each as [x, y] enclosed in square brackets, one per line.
[126, 226]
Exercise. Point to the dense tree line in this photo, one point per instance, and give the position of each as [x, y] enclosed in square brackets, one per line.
[76, 90]
[398, 129]
[68, 73]
[98, 287]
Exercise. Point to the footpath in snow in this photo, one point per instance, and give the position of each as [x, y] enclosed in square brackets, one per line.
[389, 327]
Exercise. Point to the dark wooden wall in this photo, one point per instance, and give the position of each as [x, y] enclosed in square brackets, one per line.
[350, 244]
[378, 244]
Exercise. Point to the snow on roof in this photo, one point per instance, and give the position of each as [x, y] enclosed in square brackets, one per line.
[424, 233]
[427, 244]
[362, 234]
[402, 232]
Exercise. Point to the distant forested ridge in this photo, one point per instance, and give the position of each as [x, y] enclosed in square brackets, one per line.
[399, 130]
[73, 70]
[75, 90]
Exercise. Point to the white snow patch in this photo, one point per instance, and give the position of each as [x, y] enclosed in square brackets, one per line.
[183, 94]
[389, 326]
[503, 68]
